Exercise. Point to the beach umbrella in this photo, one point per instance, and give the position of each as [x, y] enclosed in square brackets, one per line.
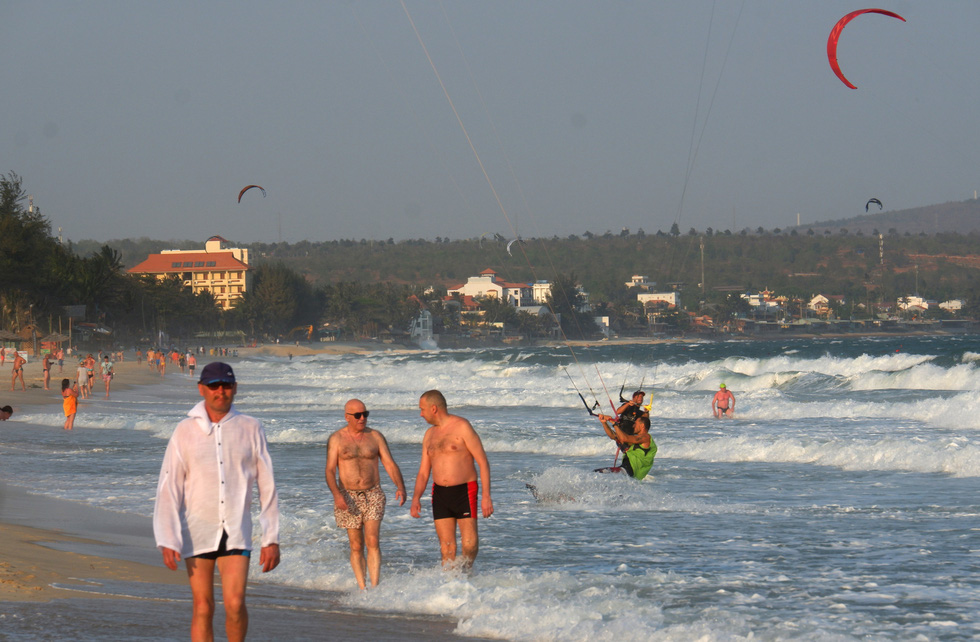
[6, 335]
[55, 337]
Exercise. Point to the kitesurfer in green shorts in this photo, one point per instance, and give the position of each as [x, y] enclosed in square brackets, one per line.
[638, 458]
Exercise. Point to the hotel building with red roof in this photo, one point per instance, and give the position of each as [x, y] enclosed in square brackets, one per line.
[487, 285]
[221, 270]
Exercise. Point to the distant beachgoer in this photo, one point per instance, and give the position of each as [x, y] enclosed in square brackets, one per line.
[70, 402]
[191, 363]
[46, 369]
[139, 357]
[638, 457]
[451, 451]
[61, 360]
[81, 379]
[107, 374]
[723, 403]
[90, 368]
[353, 453]
[5, 413]
[203, 504]
[18, 372]
[3, 354]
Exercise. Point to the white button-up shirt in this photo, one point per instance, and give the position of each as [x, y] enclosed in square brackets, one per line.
[206, 483]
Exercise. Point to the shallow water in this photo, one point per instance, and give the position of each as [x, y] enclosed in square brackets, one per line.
[840, 503]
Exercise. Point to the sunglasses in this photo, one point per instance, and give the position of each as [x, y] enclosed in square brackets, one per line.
[214, 385]
[358, 415]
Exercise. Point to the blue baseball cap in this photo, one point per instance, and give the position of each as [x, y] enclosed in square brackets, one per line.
[217, 372]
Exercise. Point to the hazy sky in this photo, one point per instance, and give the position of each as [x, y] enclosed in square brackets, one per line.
[130, 119]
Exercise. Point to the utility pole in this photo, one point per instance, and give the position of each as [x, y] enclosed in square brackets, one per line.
[702, 270]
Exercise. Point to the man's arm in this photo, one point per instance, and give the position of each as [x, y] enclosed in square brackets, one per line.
[425, 467]
[475, 445]
[166, 508]
[269, 557]
[331, 473]
[170, 558]
[268, 495]
[391, 468]
[604, 420]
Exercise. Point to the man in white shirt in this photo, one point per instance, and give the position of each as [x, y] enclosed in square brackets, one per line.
[202, 510]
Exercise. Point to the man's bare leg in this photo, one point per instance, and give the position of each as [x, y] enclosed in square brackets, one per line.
[201, 575]
[469, 541]
[356, 538]
[234, 576]
[372, 541]
[446, 532]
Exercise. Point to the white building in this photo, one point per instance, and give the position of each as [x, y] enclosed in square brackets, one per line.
[488, 285]
[603, 325]
[953, 305]
[672, 299]
[762, 300]
[913, 301]
[641, 281]
[540, 291]
[821, 304]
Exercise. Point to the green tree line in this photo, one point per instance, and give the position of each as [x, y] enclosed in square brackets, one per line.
[361, 288]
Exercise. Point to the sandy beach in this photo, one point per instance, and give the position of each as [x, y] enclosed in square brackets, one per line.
[73, 571]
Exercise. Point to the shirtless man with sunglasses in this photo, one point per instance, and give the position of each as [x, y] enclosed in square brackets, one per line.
[353, 453]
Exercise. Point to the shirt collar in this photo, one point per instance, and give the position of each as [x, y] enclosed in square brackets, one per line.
[200, 413]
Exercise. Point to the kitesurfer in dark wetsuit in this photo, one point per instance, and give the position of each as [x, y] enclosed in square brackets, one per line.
[630, 411]
[639, 448]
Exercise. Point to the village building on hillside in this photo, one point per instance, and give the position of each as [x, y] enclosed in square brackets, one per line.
[487, 285]
[823, 305]
[764, 303]
[914, 303]
[526, 297]
[642, 282]
[666, 299]
[953, 305]
[540, 290]
[221, 270]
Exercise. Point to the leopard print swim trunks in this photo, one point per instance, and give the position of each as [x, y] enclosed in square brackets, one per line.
[361, 505]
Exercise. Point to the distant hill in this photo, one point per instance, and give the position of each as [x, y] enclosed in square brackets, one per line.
[961, 217]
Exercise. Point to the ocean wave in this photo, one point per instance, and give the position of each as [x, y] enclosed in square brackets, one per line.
[954, 457]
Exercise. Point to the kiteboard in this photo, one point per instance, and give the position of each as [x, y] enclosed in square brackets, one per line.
[610, 469]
